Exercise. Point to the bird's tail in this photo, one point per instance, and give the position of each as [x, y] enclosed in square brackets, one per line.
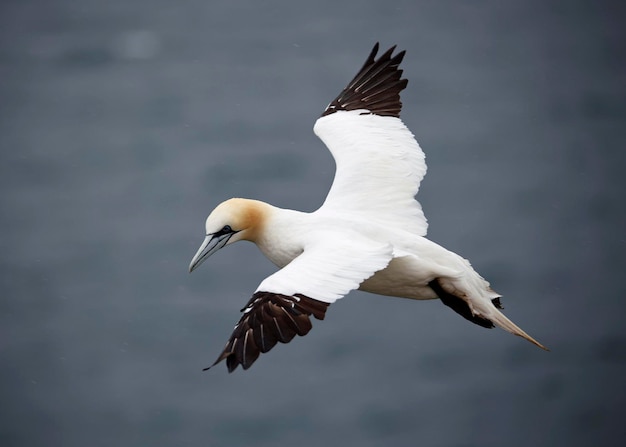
[483, 310]
[499, 319]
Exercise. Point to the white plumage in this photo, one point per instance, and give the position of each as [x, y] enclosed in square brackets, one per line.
[368, 234]
[379, 169]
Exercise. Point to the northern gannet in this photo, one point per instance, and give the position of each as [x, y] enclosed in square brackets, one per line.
[369, 234]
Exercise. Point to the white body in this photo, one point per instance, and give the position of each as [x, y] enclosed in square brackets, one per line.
[369, 234]
[413, 260]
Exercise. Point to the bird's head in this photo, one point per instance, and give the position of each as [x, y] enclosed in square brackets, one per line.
[231, 221]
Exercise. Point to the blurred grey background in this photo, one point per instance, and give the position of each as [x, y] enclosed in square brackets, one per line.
[123, 123]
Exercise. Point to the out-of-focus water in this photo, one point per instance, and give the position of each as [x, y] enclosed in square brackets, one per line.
[123, 123]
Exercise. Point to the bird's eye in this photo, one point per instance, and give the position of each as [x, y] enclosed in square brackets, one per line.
[225, 230]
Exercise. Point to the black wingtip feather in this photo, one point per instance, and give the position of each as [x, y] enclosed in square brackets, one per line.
[268, 318]
[376, 87]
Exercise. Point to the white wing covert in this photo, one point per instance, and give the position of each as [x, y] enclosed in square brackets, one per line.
[329, 269]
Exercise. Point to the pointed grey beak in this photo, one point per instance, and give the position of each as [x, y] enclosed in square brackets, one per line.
[210, 245]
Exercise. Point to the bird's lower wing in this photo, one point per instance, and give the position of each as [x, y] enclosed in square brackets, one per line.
[282, 305]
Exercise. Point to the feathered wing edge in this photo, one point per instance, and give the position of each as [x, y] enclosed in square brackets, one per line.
[281, 306]
[376, 87]
[267, 319]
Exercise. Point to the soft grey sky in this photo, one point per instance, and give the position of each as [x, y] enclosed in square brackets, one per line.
[123, 123]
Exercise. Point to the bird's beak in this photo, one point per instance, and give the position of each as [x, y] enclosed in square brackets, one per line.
[210, 245]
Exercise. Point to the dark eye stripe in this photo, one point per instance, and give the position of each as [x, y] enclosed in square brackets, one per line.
[225, 230]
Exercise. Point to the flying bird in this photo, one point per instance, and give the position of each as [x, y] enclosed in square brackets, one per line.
[369, 234]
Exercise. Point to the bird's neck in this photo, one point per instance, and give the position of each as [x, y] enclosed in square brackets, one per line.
[281, 238]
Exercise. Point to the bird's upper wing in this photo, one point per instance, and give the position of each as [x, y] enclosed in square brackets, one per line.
[379, 163]
[282, 304]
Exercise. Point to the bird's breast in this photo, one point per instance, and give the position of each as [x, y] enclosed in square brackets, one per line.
[280, 250]
[404, 277]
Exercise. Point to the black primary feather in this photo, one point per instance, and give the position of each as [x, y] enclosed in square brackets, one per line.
[376, 87]
[267, 319]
